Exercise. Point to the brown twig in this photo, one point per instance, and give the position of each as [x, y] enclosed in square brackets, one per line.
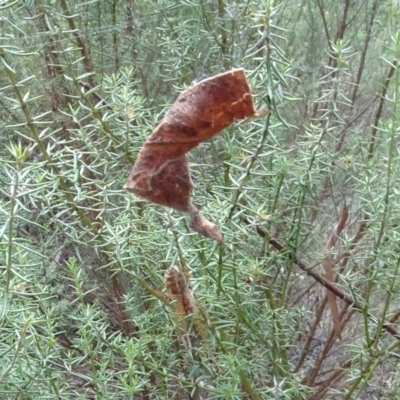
[322, 12]
[330, 341]
[380, 108]
[343, 22]
[316, 276]
[327, 264]
[87, 61]
[365, 49]
[311, 334]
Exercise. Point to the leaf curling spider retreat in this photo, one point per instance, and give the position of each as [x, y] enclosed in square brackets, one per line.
[178, 288]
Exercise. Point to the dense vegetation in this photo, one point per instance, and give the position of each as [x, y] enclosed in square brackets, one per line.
[305, 197]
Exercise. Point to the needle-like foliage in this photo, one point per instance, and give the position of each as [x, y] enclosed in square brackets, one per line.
[83, 308]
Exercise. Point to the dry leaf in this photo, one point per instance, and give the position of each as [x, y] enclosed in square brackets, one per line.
[161, 172]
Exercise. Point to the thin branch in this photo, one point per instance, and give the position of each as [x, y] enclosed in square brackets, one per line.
[327, 264]
[329, 342]
[316, 276]
[380, 108]
[321, 10]
[311, 333]
[87, 61]
[343, 24]
[364, 51]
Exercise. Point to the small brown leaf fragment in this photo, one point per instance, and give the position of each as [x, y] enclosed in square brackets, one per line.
[161, 172]
[327, 264]
[206, 228]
